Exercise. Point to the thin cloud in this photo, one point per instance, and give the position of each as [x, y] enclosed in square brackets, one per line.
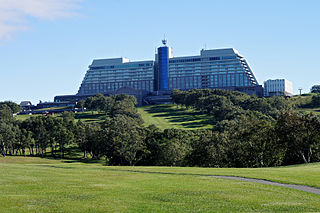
[14, 13]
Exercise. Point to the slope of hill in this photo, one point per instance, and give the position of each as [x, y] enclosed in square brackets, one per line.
[304, 103]
[169, 116]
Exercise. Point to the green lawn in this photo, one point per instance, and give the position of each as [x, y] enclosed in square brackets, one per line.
[90, 116]
[24, 117]
[53, 108]
[44, 185]
[310, 110]
[297, 174]
[169, 116]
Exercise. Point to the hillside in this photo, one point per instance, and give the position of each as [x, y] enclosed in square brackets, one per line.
[44, 185]
[89, 116]
[163, 116]
[303, 103]
[169, 116]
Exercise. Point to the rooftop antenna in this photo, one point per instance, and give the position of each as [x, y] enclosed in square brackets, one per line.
[164, 41]
[205, 46]
[300, 89]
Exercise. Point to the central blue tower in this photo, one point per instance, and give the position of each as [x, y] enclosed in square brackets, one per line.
[162, 67]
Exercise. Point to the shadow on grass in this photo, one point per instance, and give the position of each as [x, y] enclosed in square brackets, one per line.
[73, 159]
[184, 117]
[73, 155]
[89, 116]
[62, 160]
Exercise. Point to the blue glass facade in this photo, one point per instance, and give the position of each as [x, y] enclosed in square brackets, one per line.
[162, 71]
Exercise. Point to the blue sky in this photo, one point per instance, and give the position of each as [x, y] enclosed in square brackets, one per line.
[45, 48]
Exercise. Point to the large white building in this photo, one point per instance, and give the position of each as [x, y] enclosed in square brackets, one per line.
[214, 69]
[279, 87]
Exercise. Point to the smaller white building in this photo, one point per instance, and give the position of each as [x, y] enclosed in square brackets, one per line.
[279, 87]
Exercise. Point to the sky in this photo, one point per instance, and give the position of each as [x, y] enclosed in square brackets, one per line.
[46, 46]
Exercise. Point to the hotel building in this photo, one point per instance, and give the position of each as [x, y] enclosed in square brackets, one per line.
[278, 87]
[216, 69]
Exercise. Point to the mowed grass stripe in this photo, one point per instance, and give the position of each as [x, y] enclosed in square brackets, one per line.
[170, 116]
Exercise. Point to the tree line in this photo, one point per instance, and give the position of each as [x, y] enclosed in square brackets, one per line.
[248, 132]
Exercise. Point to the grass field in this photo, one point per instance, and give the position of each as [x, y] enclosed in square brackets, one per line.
[24, 117]
[163, 116]
[44, 185]
[90, 116]
[310, 110]
[53, 108]
[169, 116]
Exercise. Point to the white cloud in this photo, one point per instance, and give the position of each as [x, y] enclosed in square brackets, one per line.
[14, 13]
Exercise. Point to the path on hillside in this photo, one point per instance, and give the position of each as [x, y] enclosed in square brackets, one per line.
[305, 188]
[268, 182]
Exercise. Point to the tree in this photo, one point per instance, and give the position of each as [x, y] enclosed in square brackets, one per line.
[13, 106]
[219, 107]
[68, 116]
[125, 140]
[96, 141]
[299, 133]
[315, 89]
[5, 113]
[315, 101]
[251, 142]
[82, 133]
[8, 137]
[25, 140]
[178, 97]
[200, 153]
[279, 102]
[125, 105]
[81, 104]
[258, 104]
[63, 136]
[98, 102]
[43, 130]
[153, 139]
[175, 145]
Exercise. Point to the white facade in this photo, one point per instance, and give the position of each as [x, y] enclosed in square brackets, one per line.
[279, 87]
[105, 75]
[215, 68]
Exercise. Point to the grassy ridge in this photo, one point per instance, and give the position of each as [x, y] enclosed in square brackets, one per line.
[169, 116]
[42, 185]
[304, 100]
[311, 110]
[90, 116]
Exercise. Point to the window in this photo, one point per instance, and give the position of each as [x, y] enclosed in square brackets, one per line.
[228, 57]
[214, 58]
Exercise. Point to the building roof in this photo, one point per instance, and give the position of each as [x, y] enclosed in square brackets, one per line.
[219, 52]
[25, 103]
[109, 61]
